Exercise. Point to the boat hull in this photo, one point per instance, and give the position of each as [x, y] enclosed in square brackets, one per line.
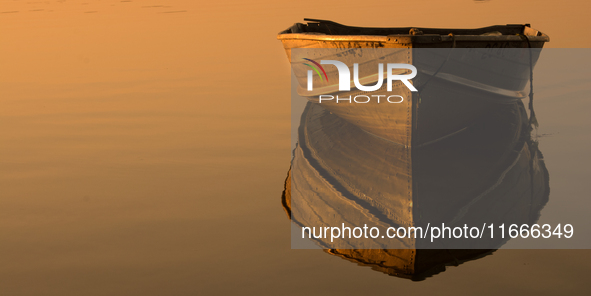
[460, 77]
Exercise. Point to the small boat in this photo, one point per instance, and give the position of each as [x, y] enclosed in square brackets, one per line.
[463, 74]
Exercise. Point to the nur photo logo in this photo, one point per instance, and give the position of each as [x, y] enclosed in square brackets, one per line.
[344, 80]
[344, 74]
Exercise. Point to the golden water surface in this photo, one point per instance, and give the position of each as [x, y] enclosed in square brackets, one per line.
[144, 145]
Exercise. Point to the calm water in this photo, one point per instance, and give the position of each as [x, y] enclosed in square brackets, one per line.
[144, 146]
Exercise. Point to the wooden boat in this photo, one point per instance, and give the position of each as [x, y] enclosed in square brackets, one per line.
[462, 73]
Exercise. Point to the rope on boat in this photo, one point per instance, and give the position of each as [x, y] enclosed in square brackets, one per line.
[533, 122]
[453, 38]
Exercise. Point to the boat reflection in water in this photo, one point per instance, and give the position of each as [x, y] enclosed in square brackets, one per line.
[491, 172]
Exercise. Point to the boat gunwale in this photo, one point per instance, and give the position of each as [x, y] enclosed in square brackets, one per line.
[409, 39]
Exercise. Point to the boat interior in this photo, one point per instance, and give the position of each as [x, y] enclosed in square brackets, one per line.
[325, 27]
